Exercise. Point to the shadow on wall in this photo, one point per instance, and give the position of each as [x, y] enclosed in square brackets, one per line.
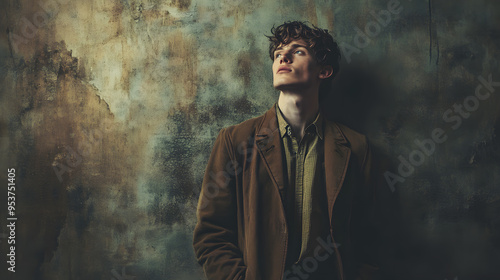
[358, 93]
[364, 98]
[355, 92]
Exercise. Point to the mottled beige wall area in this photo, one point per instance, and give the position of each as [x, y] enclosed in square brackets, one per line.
[109, 110]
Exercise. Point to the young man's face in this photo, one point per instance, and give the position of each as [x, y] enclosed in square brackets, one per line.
[295, 67]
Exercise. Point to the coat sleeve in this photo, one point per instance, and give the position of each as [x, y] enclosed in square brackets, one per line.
[215, 240]
[364, 228]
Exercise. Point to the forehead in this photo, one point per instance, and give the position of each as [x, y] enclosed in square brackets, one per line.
[293, 44]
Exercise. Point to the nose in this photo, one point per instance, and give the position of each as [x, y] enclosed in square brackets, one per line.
[285, 58]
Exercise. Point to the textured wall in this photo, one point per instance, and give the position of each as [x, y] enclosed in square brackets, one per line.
[109, 110]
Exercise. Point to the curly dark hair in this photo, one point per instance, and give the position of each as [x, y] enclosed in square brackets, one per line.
[319, 41]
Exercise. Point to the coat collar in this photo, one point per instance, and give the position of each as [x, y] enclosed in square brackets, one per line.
[268, 142]
[284, 127]
[337, 153]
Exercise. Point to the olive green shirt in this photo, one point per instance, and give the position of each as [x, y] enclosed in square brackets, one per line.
[305, 201]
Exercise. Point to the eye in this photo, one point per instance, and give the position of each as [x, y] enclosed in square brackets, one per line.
[299, 52]
[277, 55]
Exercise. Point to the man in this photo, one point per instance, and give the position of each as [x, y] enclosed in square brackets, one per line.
[286, 195]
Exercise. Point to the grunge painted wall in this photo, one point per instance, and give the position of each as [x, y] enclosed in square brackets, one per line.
[109, 110]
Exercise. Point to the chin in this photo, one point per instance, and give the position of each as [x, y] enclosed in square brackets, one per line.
[284, 86]
[280, 86]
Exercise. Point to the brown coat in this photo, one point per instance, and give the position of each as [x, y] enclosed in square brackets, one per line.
[241, 232]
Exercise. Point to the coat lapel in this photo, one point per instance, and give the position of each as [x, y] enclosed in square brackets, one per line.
[337, 154]
[269, 145]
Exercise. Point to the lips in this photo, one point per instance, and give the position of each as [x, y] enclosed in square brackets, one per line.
[284, 69]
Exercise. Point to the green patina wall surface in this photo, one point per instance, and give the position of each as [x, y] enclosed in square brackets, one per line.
[109, 110]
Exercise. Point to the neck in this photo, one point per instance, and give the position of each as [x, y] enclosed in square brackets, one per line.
[299, 110]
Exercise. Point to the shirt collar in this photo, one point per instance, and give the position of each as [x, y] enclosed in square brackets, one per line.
[284, 127]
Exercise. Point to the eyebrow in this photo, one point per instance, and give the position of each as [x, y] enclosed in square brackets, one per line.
[294, 46]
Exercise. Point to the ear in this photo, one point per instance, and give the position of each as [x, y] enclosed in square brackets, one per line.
[326, 72]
